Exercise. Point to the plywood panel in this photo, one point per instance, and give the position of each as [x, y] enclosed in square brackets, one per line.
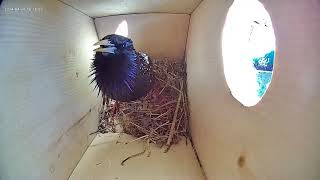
[98, 8]
[47, 107]
[159, 35]
[107, 151]
[279, 137]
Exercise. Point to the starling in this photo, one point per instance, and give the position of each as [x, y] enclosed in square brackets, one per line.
[119, 71]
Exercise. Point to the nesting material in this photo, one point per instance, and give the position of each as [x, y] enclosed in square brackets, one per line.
[161, 117]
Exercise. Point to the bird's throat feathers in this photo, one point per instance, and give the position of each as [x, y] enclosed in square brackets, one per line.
[115, 70]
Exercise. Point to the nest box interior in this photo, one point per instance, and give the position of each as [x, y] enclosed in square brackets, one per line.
[252, 83]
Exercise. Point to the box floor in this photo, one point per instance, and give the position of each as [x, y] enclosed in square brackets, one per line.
[103, 158]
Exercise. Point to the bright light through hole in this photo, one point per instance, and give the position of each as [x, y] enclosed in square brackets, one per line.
[248, 48]
[122, 29]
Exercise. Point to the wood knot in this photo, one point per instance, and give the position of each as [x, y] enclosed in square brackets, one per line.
[241, 161]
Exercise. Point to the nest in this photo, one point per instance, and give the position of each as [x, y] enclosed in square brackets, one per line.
[161, 117]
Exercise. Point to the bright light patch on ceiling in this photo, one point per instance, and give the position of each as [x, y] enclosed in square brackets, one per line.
[248, 48]
[122, 29]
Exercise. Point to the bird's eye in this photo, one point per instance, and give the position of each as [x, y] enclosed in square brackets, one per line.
[125, 45]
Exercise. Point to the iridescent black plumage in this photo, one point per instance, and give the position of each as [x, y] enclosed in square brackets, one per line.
[119, 71]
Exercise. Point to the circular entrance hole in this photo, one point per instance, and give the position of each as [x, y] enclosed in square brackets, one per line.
[248, 49]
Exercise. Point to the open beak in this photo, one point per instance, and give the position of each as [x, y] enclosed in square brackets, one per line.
[108, 47]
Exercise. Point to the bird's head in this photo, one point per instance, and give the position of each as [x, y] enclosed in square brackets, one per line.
[114, 44]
